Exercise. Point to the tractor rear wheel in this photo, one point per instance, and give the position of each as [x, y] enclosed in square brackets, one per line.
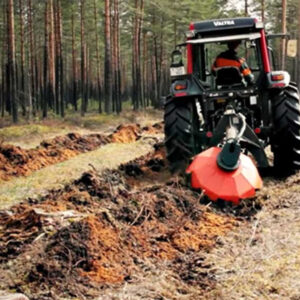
[181, 127]
[286, 138]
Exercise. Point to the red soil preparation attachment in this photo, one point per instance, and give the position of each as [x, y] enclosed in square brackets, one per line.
[219, 112]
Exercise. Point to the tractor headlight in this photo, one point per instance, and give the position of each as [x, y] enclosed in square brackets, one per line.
[190, 33]
[259, 25]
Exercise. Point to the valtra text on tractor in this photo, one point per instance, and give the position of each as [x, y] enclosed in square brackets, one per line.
[220, 123]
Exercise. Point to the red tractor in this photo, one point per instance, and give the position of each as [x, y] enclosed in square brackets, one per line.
[215, 112]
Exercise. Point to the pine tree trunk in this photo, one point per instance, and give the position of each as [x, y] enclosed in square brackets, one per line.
[283, 41]
[139, 71]
[159, 63]
[134, 60]
[83, 58]
[22, 56]
[116, 57]
[37, 60]
[46, 64]
[119, 74]
[56, 43]
[2, 52]
[145, 60]
[51, 60]
[97, 59]
[154, 74]
[74, 67]
[263, 10]
[60, 67]
[137, 96]
[108, 62]
[32, 75]
[11, 59]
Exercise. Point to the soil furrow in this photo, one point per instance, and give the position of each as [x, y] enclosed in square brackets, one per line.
[108, 229]
[136, 232]
[16, 162]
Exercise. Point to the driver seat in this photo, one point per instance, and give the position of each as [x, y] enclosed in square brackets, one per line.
[228, 77]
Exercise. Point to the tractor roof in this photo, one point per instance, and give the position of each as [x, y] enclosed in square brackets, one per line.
[234, 26]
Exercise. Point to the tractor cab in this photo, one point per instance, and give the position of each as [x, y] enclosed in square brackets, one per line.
[228, 74]
[208, 39]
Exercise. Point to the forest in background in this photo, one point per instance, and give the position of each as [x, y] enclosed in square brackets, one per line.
[59, 56]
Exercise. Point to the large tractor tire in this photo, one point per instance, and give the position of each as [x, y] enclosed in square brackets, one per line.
[181, 127]
[286, 138]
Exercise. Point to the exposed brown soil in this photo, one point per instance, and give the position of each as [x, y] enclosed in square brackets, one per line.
[132, 132]
[140, 233]
[105, 229]
[126, 133]
[15, 161]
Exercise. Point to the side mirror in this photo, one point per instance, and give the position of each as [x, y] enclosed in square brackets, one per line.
[176, 58]
[292, 48]
[250, 44]
[177, 66]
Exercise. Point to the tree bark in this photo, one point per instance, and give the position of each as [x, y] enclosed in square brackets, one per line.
[97, 59]
[263, 10]
[283, 41]
[74, 66]
[57, 58]
[137, 95]
[22, 56]
[11, 59]
[46, 64]
[108, 63]
[83, 59]
[246, 8]
[60, 68]
[32, 75]
[51, 60]
[116, 57]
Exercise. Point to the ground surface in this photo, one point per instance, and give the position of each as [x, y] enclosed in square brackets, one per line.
[108, 221]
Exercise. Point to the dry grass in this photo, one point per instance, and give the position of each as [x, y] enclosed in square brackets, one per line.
[155, 283]
[56, 176]
[261, 260]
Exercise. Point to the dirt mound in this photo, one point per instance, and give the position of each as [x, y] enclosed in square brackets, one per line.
[132, 132]
[15, 161]
[126, 133]
[147, 170]
[103, 229]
